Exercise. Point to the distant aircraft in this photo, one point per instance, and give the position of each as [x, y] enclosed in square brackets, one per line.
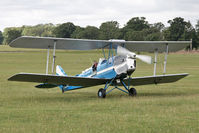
[114, 70]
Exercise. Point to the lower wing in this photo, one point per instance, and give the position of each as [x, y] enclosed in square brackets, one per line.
[54, 80]
[158, 79]
[58, 80]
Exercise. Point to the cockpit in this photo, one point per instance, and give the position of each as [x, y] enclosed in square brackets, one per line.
[102, 61]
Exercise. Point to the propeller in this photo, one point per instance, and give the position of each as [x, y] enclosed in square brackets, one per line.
[124, 51]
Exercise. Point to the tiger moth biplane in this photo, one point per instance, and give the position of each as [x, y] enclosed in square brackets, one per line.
[113, 70]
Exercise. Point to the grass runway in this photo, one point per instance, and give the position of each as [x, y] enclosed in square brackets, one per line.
[161, 108]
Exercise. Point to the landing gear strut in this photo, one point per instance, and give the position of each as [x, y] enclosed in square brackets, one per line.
[102, 91]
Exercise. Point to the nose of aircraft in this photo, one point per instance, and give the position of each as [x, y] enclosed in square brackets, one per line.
[131, 63]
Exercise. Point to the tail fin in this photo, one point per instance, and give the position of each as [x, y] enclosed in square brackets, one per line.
[60, 71]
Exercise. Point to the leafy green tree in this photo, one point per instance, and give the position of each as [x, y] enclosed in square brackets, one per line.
[197, 27]
[10, 34]
[78, 33]
[176, 29]
[137, 24]
[64, 30]
[90, 32]
[154, 32]
[189, 31]
[134, 35]
[110, 30]
[1, 37]
[135, 29]
[196, 35]
[181, 30]
[43, 30]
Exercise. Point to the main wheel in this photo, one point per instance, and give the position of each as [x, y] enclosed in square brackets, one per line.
[101, 93]
[132, 92]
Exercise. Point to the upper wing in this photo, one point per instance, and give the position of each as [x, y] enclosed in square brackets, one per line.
[86, 44]
[160, 46]
[58, 80]
[155, 79]
[61, 43]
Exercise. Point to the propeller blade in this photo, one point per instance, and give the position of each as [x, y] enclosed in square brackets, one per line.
[145, 58]
[124, 51]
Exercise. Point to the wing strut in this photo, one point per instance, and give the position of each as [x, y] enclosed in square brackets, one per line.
[48, 55]
[165, 58]
[155, 62]
[48, 51]
[53, 65]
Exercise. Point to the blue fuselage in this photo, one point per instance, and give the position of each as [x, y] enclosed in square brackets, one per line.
[107, 69]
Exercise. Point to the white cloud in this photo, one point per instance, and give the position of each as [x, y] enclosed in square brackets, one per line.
[90, 12]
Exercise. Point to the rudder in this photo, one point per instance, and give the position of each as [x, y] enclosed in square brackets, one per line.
[60, 71]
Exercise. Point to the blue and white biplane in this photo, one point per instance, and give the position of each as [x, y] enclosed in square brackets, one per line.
[114, 70]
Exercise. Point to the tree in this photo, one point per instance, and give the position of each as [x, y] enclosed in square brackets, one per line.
[197, 35]
[134, 36]
[1, 37]
[180, 30]
[137, 24]
[154, 32]
[90, 32]
[64, 30]
[197, 27]
[110, 30]
[10, 34]
[176, 29]
[78, 33]
[43, 30]
[134, 29]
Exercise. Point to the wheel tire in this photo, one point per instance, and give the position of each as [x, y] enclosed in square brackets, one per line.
[132, 92]
[101, 93]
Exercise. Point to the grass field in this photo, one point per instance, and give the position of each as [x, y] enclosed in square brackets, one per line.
[165, 108]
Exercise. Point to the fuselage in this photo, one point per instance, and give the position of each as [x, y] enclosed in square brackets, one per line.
[115, 67]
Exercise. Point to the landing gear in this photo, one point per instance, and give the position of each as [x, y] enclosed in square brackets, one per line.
[101, 93]
[62, 90]
[132, 92]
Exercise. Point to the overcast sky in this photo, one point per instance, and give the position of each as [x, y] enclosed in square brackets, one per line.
[94, 12]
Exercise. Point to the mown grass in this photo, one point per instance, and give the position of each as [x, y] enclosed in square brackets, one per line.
[157, 108]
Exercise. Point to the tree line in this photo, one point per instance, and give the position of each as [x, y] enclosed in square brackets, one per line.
[136, 29]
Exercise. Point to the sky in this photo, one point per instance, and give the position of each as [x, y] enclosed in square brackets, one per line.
[16, 13]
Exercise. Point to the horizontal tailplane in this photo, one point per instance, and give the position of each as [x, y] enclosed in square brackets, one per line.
[45, 86]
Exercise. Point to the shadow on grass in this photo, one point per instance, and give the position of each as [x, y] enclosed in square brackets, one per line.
[75, 97]
[142, 95]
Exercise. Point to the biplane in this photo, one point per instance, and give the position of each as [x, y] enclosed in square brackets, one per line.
[113, 70]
